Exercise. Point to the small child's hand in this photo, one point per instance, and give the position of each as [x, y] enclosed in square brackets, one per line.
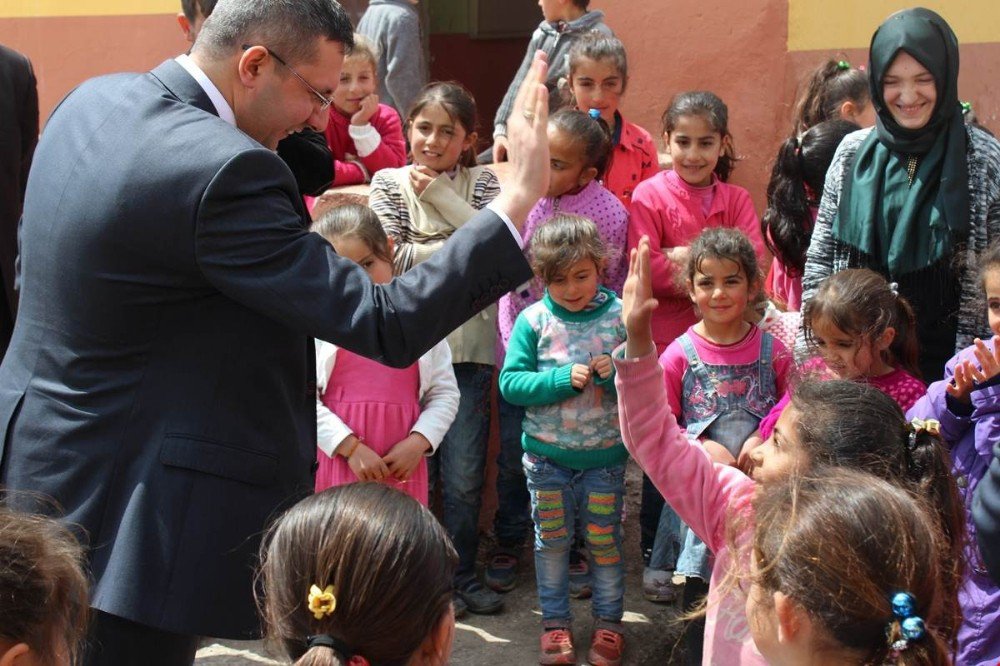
[369, 105]
[718, 453]
[366, 464]
[404, 456]
[960, 387]
[602, 365]
[988, 360]
[421, 177]
[638, 303]
[579, 376]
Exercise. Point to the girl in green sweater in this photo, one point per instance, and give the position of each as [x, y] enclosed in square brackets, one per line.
[558, 366]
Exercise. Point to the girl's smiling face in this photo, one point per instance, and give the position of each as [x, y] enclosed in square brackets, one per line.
[576, 288]
[909, 92]
[357, 81]
[695, 148]
[721, 290]
[782, 453]
[437, 141]
[597, 84]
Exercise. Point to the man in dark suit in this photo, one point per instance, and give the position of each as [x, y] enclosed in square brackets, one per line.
[160, 384]
[18, 136]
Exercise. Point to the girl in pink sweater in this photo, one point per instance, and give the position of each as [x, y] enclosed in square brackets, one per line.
[364, 136]
[848, 424]
[673, 207]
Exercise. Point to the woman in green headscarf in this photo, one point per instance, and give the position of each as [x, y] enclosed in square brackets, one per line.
[917, 198]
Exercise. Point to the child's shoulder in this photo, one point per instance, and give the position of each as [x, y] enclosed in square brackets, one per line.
[393, 176]
[654, 187]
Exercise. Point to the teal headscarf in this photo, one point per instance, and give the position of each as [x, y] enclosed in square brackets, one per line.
[907, 227]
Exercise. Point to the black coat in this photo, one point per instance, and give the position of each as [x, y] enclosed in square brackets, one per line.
[160, 382]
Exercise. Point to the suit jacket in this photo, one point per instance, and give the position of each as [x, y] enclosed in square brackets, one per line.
[18, 136]
[160, 383]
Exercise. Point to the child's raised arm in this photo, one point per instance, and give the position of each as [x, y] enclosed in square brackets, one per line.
[700, 491]
[638, 303]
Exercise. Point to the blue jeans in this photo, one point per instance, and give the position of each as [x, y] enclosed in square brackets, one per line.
[512, 521]
[558, 495]
[460, 463]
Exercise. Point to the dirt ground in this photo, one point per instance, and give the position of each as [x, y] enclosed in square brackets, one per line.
[511, 637]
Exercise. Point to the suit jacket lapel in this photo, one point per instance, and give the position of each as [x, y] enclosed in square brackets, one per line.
[182, 85]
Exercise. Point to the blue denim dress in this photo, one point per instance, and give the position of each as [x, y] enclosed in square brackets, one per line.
[724, 403]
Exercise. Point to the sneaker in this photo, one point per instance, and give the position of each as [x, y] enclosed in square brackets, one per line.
[579, 579]
[461, 610]
[557, 647]
[501, 570]
[657, 586]
[606, 648]
[480, 600]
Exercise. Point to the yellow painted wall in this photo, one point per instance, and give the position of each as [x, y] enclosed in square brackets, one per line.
[845, 24]
[44, 8]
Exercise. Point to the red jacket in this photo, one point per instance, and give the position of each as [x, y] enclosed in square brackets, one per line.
[390, 154]
[633, 160]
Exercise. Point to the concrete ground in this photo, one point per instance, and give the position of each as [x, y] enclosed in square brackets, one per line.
[511, 637]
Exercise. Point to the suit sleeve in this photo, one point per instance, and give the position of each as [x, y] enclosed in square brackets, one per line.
[251, 245]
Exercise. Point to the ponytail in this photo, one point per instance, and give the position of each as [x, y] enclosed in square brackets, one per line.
[796, 187]
[786, 224]
[904, 348]
[927, 468]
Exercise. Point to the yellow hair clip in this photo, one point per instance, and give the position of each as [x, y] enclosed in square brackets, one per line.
[930, 425]
[322, 602]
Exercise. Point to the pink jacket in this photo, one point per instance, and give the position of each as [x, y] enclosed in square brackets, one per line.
[666, 212]
[385, 133]
[706, 495]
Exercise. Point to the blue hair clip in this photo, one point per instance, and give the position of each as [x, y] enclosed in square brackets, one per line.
[595, 113]
[911, 626]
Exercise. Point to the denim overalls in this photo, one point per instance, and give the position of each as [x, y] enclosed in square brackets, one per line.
[724, 403]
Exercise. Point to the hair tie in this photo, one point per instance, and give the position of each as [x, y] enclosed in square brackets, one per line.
[843, 65]
[594, 113]
[911, 626]
[926, 425]
[966, 108]
[894, 288]
[338, 646]
[322, 602]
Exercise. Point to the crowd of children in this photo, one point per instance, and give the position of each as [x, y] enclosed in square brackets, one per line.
[772, 387]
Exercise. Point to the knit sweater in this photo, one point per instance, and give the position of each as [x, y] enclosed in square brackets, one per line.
[393, 26]
[555, 39]
[377, 145]
[827, 255]
[576, 429]
[593, 202]
[666, 209]
[420, 225]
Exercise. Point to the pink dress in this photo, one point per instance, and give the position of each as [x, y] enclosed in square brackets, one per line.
[380, 404]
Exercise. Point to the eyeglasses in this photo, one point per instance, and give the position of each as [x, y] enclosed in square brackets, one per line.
[324, 101]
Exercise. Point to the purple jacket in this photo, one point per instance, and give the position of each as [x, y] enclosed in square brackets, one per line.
[971, 437]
